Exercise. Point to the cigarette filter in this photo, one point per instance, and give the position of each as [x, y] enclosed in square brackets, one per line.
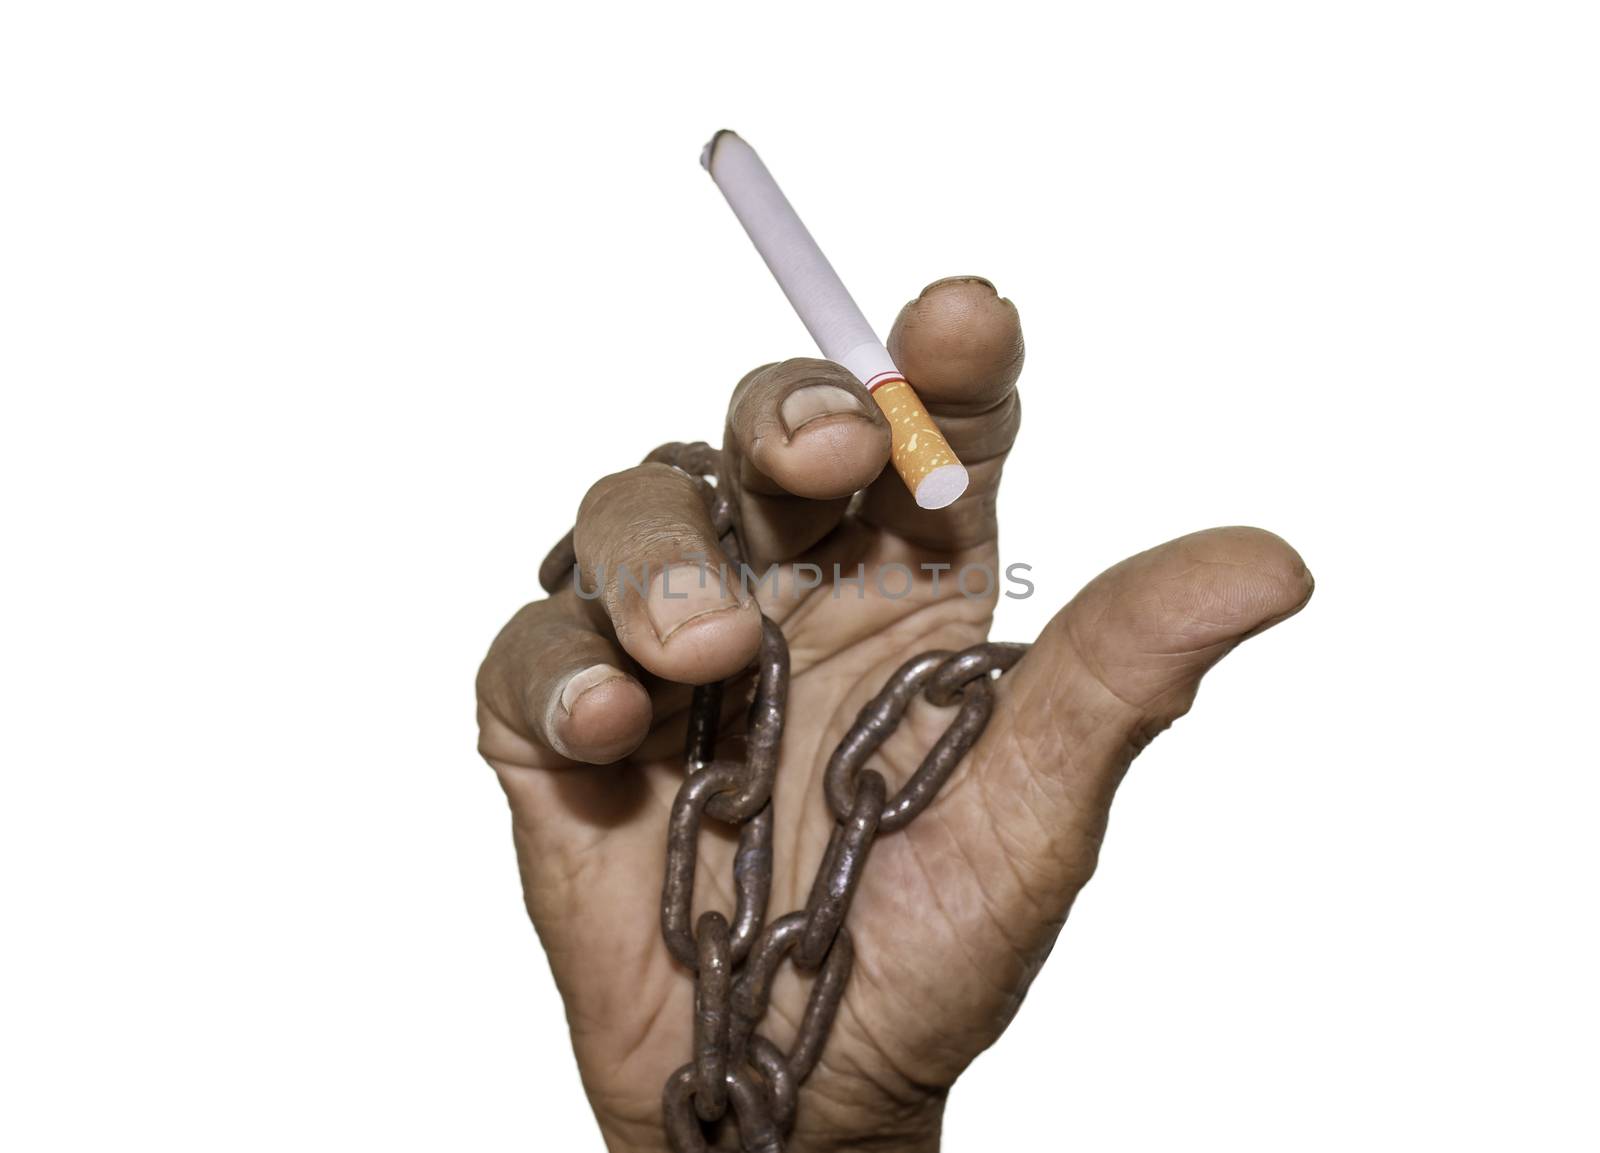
[918, 450]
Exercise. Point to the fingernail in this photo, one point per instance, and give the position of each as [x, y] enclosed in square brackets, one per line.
[684, 593]
[580, 683]
[804, 405]
[961, 280]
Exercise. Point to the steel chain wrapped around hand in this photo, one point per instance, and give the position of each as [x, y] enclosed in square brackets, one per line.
[735, 1068]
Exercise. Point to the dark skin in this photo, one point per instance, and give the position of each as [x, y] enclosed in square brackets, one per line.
[581, 714]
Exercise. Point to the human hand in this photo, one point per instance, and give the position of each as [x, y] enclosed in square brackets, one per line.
[582, 710]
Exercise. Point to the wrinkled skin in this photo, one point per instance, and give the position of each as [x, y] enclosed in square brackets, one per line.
[583, 724]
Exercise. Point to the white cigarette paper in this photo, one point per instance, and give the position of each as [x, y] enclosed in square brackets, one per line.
[919, 451]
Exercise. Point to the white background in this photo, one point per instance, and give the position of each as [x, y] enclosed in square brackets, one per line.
[317, 319]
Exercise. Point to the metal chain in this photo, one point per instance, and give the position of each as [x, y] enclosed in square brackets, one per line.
[735, 1069]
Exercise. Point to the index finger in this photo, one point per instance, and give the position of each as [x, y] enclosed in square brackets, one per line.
[959, 344]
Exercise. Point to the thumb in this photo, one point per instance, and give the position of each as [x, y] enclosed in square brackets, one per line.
[1115, 667]
[1149, 628]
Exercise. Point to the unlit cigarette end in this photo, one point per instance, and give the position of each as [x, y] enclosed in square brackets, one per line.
[711, 146]
[917, 449]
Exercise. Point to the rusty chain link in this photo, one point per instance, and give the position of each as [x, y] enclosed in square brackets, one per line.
[734, 1068]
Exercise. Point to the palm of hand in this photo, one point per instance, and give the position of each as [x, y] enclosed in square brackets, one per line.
[956, 912]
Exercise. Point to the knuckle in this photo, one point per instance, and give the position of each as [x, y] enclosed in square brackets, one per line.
[813, 370]
[641, 510]
[622, 489]
[803, 372]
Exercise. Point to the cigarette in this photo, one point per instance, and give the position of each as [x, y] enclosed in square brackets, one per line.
[919, 451]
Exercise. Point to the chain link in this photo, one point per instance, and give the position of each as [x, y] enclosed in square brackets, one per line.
[734, 1068]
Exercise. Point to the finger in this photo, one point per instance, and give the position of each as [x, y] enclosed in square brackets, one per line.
[802, 437]
[552, 684]
[959, 344]
[1115, 667]
[650, 568]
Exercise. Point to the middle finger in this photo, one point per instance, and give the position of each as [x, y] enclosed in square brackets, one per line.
[802, 436]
